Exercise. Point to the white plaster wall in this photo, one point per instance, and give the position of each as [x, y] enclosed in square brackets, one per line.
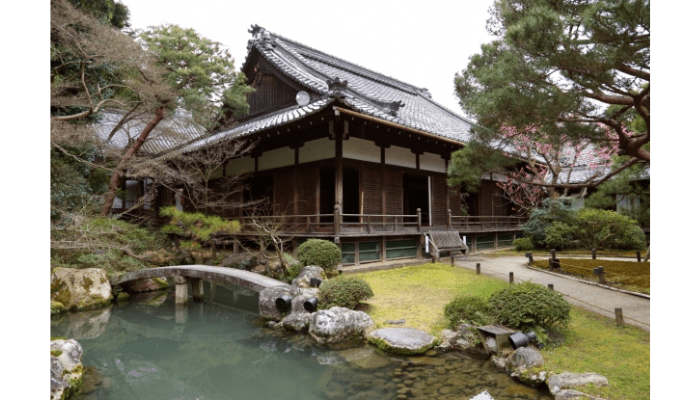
[277, 158]
[400, 156]
[320, 149]
[240, 166]
[360, 149]
[432, 162]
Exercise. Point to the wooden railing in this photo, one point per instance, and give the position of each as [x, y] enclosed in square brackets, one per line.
[485, 224]
[338, 223]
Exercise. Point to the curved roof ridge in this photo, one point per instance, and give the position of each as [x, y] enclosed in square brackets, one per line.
[368, 73]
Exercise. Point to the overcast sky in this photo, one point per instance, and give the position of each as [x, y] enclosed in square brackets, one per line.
[421, 43]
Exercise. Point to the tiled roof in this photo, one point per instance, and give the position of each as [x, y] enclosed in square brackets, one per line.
[359, 88]
[364, 90]
[171, 132]
[269, 120]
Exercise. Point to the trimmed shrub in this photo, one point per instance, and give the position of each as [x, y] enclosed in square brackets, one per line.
[343, 292]
[597, 229]
[541, 218]
[319, 252]
[559, 236]
[523, 244]
[528, 305]
[468, 308]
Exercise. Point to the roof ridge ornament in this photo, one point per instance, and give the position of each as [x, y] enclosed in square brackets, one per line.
[394, 107]
[336, 86]
[262, 36]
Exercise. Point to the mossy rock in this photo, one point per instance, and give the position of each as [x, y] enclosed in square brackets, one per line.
[404, 341]
[57, 308]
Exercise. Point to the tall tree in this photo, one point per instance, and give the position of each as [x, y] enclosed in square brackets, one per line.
[201, 73]
[557, 67]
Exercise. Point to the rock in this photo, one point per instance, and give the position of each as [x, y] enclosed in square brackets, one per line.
[266, 302]
[568, 380]
[57, 308]
[80, 289]
[402, 340]
[238, 261]
[520, 364]
[569, 394]
[145, 285]
[395, 321]
[66, 368]
[338, 324]
[297, 322]
[449, 336]
[364, 358]
[523, 359]
[308, 272]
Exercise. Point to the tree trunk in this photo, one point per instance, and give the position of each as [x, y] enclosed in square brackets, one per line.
[121, 167]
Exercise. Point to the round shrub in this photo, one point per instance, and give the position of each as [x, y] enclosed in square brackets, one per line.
[597, 229]
[528, 305]
[319, 252]
[343, 292]
[559, 236]
[468, 308]
[523, 244]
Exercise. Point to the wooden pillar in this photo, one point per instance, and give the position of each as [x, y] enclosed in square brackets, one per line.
[338, 169]
[382, 175]
[619, 319]
[294, 180]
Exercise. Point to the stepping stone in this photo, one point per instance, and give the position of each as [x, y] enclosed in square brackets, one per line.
[402, 340]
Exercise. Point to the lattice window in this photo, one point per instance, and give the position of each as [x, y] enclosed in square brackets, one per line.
[369, 251]
[484, 242]
[401, 248]
[347, 251]
[505, 239]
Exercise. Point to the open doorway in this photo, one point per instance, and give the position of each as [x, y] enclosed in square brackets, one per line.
[416, 195]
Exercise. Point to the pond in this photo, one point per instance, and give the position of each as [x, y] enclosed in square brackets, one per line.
[149, 349]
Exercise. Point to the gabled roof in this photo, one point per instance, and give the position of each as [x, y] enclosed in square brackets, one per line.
[172, 131]
[358, 88]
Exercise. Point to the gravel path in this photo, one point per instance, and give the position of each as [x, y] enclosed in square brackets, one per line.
[603, 301]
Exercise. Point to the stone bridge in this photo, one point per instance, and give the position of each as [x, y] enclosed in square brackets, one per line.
[196, 274]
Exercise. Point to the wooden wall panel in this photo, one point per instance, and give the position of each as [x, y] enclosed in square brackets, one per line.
[307, 183]
[394, 191]
[284, 191]
[439, 200]
[371, 189]
[270, 92]
[491, 200]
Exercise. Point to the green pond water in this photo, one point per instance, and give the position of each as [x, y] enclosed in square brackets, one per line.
[149, 349]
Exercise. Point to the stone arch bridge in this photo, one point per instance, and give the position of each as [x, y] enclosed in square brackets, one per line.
[196, 275]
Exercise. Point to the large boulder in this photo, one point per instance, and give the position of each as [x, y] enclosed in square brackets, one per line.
[268, 296]
[562, 383]
[66, 368]
[308, 272]
[145, 285]
[523, 364]
[81, 289]
[338, 324]
[408, 341]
